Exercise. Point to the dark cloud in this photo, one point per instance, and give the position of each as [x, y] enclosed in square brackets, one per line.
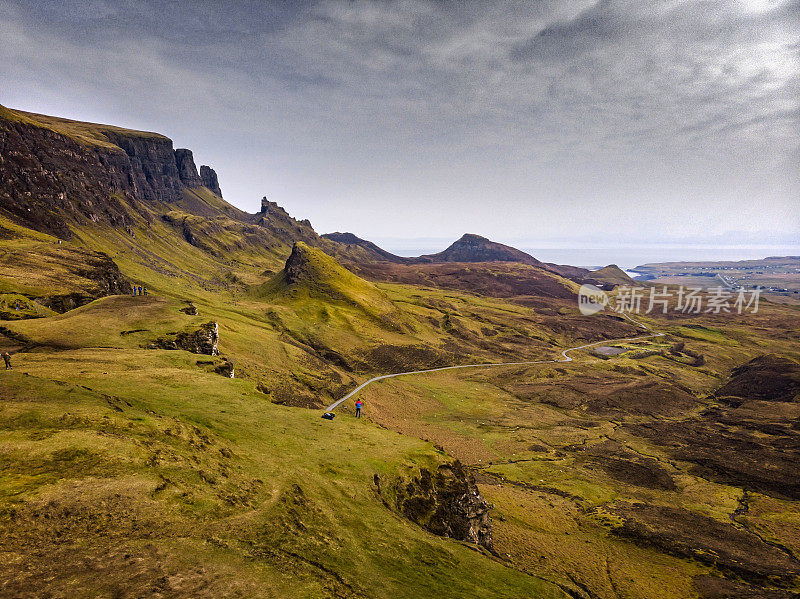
[573, 37]
[681, 116]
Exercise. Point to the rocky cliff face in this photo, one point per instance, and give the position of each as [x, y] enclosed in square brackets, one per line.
[150, 171]
[446, 503]
[209, 178]
[187, 171]
[44, 173]
[281, 225]
[53, 171]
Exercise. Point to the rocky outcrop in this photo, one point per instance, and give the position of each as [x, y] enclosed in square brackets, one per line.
[105, 273]
[187, 171]
[66, 276]
[189, 309]
[225, 368]
[209, 178]
[445, 502]
[301, 266]
[65, 302]
[281, 226]
[202, 340]
[91, 275]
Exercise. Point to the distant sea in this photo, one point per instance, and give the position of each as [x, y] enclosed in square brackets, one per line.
[630, 257]
[626, 257]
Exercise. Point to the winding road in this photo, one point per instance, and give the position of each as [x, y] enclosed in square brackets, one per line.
[565, 358]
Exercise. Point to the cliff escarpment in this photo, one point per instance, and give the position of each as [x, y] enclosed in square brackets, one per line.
[56, 171]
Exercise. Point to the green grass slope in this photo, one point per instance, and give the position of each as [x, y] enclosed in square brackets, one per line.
[45, 268]
[132, 473]
[311, 274]
[118, 321]
[80, 131]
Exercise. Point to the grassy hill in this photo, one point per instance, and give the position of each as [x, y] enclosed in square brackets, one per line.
[310, 274]
[134, 473]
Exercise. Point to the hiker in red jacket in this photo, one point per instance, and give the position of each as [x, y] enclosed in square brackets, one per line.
[358, 408]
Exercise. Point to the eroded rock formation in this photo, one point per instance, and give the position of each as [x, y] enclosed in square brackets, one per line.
[225, 368]
[187, 171]
[209, 177]
[446, 502]
[202, 340]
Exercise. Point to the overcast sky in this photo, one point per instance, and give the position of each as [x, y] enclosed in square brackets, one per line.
[526, 122]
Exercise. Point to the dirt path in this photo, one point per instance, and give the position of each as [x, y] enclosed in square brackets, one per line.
[564, 353]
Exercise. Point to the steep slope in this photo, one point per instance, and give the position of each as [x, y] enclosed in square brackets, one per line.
[128, 322]
[130, 198]
[56, 275]
[326, 311]
[134, 473]
[131, 470]
[315, 320]
[61, 177]
[310, 273]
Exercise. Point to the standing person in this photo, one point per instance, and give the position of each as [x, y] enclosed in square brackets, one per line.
[7, 360]
[358, 408]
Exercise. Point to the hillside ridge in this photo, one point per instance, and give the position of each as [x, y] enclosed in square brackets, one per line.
[475, 248]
